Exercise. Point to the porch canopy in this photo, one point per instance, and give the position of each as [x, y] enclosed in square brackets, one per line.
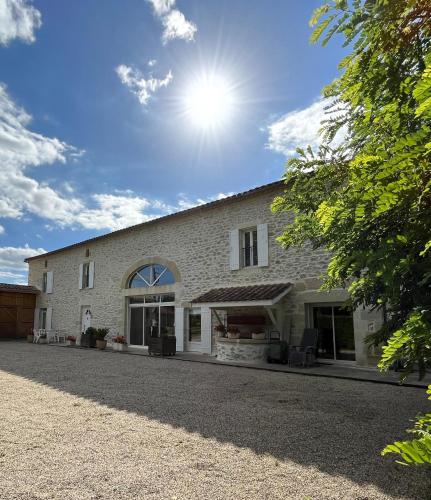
[266, 296]
[239, 296]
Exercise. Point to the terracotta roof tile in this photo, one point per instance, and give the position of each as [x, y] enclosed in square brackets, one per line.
[243, 293]
[9, 287]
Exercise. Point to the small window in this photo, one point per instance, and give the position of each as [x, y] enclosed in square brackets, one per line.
[46, 264]
[87, 252]
[195, 325]
[86, 275]
[152, 275]
[249, 247]
[42, 319]
[44, 282]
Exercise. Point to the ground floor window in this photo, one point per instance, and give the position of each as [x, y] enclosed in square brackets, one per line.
[195, 325]
[42, 318]
[150, 316]
[336, 335]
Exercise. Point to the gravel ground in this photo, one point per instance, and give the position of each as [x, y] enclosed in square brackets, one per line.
[81, 424]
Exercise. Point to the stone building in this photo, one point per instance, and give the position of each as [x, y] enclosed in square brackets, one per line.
[186, 273]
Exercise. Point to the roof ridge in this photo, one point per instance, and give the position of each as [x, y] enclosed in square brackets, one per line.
[204, 206]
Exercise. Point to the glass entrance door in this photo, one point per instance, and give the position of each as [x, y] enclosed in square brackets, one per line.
[150, 316]
[336, 338]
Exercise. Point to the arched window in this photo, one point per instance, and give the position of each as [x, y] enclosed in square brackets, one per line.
[152, 275]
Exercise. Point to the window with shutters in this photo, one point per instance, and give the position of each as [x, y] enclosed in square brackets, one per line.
[86, 275]
[249, 250]
[42, 318]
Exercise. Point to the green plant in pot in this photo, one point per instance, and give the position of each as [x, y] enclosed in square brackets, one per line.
[100, 335]
[88, 338]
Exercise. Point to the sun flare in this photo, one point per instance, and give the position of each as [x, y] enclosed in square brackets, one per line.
[209, 101]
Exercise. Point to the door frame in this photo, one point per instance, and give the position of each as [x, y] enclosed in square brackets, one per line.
[309, 320]
[143, 305]
[191, 346]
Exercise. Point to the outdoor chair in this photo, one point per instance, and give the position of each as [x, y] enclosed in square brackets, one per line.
[37, 334]
[305, 353]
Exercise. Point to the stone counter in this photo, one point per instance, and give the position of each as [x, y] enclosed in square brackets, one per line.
[244, 350]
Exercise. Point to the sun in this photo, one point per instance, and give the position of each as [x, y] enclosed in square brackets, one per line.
[209, 101]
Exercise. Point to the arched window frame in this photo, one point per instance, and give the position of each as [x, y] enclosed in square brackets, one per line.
[153, 281]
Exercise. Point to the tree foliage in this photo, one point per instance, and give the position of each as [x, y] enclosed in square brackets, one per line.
[367, 198]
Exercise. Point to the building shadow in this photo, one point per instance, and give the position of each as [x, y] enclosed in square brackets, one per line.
[337, 426]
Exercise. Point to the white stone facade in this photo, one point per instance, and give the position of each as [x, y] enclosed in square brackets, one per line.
[195, 246]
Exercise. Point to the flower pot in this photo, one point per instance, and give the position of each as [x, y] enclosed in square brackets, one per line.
[71, 342]
[30, 338]
[119, 347]
[233, 335]
[100, 344]
[258, 336]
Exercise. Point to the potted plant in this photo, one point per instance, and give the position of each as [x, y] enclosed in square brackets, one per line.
[258, 335]
[88, 338]
[100, 335]
[119, 343]
[233, 332]
[220, 329]
[71, 340]
[30, 337]
[165, 345]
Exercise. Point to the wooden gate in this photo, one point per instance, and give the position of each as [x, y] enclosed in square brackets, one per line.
[16, 310]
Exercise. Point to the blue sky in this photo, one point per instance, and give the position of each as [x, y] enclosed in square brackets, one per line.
[98, 123]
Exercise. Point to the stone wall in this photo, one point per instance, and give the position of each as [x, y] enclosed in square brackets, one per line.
[198, 244]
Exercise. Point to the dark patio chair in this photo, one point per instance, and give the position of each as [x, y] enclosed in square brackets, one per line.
[305, 353]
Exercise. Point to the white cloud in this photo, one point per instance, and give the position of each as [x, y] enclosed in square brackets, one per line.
[152, 62]
[21, 195]
[175, 25]
[136, 82]
[13, 269]
[2, 230]
[162, 7]
[18, 19]
[299, 128]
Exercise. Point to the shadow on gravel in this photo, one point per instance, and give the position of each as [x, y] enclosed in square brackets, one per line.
[337, 426]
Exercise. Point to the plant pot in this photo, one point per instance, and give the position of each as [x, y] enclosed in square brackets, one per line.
[162, 346]
[258, 336]
[30, 338]
[87, 340]
[71, 342]
[119, 347]
[100, 344]
[233, 335]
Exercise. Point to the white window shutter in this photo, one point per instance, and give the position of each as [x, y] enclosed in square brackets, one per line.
[81, 267]
[234, 249]
[179, 328]
[262, 245]
[91, 275]
[36, 318]
[49, 318]
[49, 281]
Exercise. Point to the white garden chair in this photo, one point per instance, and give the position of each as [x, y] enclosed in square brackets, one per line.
[38, 334]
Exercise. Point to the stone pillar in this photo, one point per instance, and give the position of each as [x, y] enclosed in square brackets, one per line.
[179, 328]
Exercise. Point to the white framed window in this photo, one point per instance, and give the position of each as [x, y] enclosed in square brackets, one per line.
[47, 282]
[248, 247]
[42, 318]
[86, 275]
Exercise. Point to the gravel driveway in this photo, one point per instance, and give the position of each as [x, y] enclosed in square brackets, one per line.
[80, 424]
